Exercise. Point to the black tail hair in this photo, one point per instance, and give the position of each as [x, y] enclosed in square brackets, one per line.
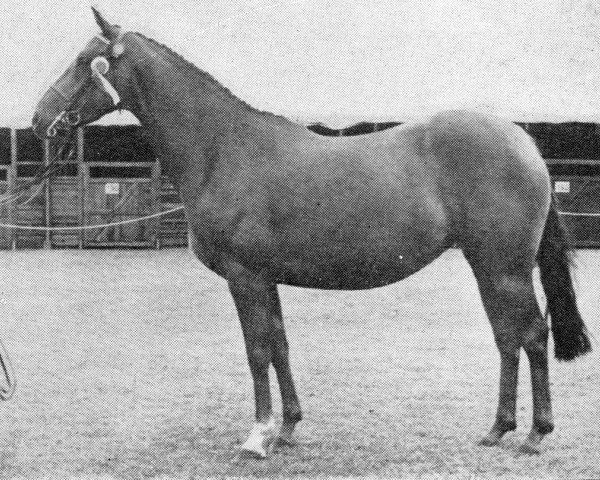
[554, 258]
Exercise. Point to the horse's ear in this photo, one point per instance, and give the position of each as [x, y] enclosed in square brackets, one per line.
[109, 30]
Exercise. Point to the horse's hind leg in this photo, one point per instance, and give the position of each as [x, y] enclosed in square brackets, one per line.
[504, 325]
[535, 343]
[510, 302]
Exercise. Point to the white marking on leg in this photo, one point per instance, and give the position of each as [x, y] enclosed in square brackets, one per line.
[261, 438]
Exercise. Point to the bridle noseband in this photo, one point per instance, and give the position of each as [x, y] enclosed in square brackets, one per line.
[99, 67]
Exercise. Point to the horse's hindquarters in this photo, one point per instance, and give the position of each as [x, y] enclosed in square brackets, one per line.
[498, 183]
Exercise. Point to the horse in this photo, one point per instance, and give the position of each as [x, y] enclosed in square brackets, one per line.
[271, 203]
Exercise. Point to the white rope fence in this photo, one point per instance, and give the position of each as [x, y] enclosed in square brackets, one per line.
[579, 214]
[91, 227]
[176, 209]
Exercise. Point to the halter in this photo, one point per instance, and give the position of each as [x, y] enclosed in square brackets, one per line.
[99, 67]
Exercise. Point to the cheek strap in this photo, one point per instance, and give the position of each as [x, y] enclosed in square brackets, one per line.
[107, 87]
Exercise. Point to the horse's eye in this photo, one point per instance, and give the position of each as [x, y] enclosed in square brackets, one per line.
[81, 60]
[100, 65]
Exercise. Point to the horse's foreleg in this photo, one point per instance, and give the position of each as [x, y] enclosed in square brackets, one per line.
[292, 413]
[251, 297]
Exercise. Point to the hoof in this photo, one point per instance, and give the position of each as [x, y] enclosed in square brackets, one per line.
[529, 449]
[285, 442]
[260, 442]
[489, 441]
[253, 453]
[496, 433]
[285, 437]
[531, 446]
[493, 438]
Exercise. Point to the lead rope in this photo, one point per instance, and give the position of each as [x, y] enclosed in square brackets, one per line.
[7, 392]
[43, 173]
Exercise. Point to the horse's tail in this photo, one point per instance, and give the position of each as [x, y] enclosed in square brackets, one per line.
[554, 258]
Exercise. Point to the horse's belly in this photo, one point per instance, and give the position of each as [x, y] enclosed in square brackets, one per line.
[341, 278]
[352, 273]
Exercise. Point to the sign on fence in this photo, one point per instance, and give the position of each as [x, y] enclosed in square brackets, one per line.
[562, 187]
[111, 188]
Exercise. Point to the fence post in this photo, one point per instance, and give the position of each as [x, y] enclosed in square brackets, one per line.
[81, 178]
[47, 240]
[156, 203]
[12, 184]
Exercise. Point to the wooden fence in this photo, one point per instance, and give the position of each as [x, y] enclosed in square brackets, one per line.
[90, 191]
[576, 185]
[86, 193]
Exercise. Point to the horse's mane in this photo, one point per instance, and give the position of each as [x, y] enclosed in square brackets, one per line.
[207, 78]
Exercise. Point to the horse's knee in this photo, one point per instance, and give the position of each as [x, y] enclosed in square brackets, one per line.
[292, 413]
[259, 356]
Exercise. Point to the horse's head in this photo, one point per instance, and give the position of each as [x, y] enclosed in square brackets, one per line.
[88, 89]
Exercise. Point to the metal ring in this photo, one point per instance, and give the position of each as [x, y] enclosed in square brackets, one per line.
[72, 118]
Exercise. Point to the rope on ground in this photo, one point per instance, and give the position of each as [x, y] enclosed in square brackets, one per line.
[91, 227]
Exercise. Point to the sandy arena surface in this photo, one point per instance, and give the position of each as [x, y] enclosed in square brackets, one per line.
[131, 365]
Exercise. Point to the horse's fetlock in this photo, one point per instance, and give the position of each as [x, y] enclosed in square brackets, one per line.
[504, 424]
[292, 415]
[543, 421]
[544, 426]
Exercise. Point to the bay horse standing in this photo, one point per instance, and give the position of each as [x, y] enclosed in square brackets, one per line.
[269, 202]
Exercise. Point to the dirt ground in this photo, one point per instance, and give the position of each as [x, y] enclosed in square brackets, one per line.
[131, 365]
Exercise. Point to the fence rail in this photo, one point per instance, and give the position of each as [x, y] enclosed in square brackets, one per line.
[89, 193]
[94, 192]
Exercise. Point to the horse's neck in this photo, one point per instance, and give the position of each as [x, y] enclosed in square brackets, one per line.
[186, 114]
